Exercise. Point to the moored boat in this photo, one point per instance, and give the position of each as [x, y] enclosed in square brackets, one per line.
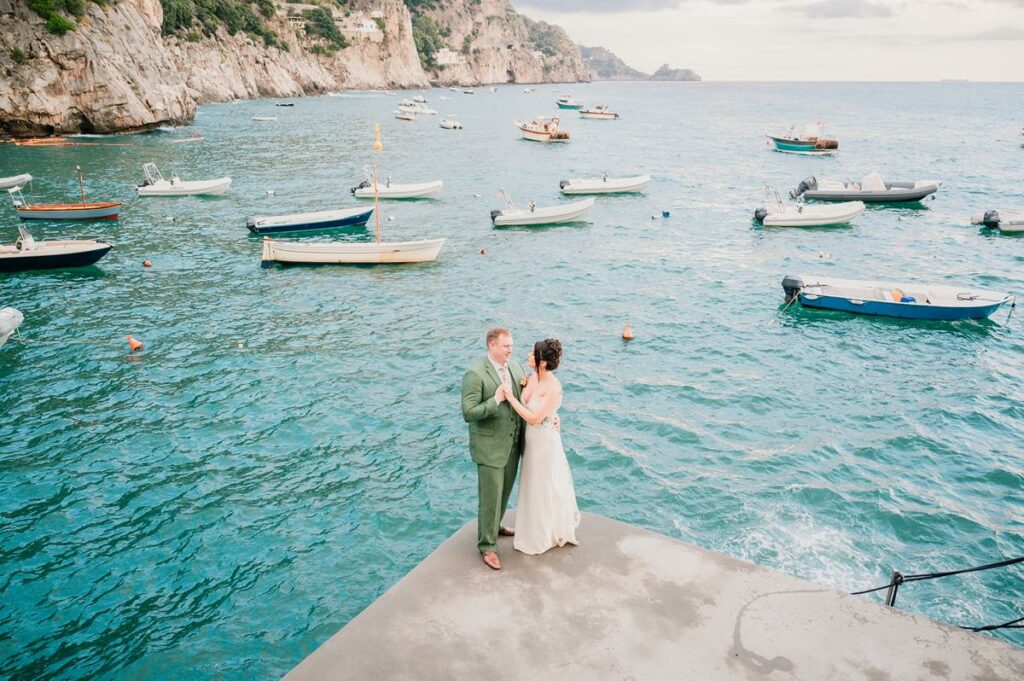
[605, 184]
[511, 216]
[264, 118]
[599, 112]
[777, 214]
[10, 320]
[388, 190]
[14, 180]
[543, 129]
[1003, 220]
[156, 185]
[415, 108]
[84, 210]
[872, 189]
[28, 254]
[892, 299]
[349, 253]
[449, 122]
[811, 141]
[405, 115]
[297, 222]
[568, 102]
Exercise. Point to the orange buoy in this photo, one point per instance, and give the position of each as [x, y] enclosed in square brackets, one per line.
[627, 332]
[133, 344]
[146, 263]
[483, 251]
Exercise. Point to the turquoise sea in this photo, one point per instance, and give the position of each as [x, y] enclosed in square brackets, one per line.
[209, 510]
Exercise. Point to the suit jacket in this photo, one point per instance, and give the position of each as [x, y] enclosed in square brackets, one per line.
[495, 430]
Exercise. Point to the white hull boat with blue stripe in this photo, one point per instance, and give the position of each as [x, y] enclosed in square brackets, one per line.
[893, 299]
[297, 222]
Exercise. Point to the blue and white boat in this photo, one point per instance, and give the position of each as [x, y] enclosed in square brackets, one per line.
[891, 299]
[297, 222]
[810, 142]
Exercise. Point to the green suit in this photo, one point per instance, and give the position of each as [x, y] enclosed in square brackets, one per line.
[495, 443]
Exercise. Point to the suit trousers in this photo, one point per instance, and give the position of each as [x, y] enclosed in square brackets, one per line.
[494, 484]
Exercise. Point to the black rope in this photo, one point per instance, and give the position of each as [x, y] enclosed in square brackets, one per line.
[1012, 624]
[900, 579]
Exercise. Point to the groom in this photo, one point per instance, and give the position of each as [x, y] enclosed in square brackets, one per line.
[495, 437]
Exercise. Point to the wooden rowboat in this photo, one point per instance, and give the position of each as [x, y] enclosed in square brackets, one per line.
[83, 210]
[342, 253]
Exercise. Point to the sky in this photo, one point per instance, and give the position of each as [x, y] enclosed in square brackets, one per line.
[866, 40]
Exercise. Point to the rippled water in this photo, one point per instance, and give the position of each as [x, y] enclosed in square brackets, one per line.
[201, 510]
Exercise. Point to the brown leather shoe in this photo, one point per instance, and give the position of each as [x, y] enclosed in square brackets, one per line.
[506, 532]
[491, 560]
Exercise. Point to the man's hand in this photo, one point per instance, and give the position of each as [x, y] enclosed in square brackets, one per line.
[499, 394]
[556, 423]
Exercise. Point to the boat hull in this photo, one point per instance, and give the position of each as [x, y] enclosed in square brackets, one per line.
[41, 260]
[815, 216]
[188, 188]
[88, 211]
[571, 107]
[422, 190]
[599, 116]
[894, 195]
[297, 253]
[623, 185]
[804, 147]
[14, 180]
[309, 221]
[898, 310]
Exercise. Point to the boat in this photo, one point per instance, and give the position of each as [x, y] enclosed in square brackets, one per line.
[777, 214]
[103, 210]
[405, 115]
[349, 253]
[264, 118]
[599, 112]
[194, 137]
[528, 90]
[416, 108]
[449, 122]
[285, 104]
[28, 254]
[1003, 220]
[892, 299]
[532, 215]
[543, 129]
[387, 190]
[469, 91]
[156, 185]
[298, 222]
[14, 180]
[872, 189]
[605, 184]
[811, 141]
[10, 320]
[420, 99]
[568, 102]
[453, 88]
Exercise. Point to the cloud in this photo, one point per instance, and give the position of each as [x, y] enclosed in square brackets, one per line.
[1003, 33]
[839, 9]
[612, 6]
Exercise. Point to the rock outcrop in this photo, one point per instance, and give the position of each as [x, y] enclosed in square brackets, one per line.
[666, 73]
[117, 71]
[605, 65]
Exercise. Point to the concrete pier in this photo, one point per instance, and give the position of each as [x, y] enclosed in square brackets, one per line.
[631, 604]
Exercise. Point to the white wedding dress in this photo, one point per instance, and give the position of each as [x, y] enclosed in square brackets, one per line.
[547, 514]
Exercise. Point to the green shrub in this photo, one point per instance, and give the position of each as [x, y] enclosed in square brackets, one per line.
[380, 23]
[18, 56]
[59, 25]
[427, 38]
[193, 36]
[320, 24]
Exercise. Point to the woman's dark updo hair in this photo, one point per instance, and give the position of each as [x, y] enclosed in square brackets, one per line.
[550, 351]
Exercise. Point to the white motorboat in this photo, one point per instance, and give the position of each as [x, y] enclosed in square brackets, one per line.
[605, 185]
[416, 108]
[543, 129]
[10, 320]
[405, 115]
[14, 180]
[449, 122]
[388, 190]
[349, 253]
[1003, 220]
[599, 112]
[532, 215]
[156, 185]
[469, 91]
[420, 99]
[264, 118]
[777, 214]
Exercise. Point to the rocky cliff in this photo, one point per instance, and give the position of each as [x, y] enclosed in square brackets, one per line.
[605, 65]
[126, 66]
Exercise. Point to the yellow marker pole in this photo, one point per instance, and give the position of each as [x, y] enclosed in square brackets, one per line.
[377, 146]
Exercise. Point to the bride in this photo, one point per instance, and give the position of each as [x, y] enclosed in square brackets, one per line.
[547, 514]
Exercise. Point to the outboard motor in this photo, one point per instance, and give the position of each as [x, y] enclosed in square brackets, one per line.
[760, 214]
[792, 285]
[989, 218]
[495, 214]
[563, 184]
[362, 185]
[810, 184]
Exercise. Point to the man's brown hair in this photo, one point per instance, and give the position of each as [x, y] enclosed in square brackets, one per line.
[497, 331]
